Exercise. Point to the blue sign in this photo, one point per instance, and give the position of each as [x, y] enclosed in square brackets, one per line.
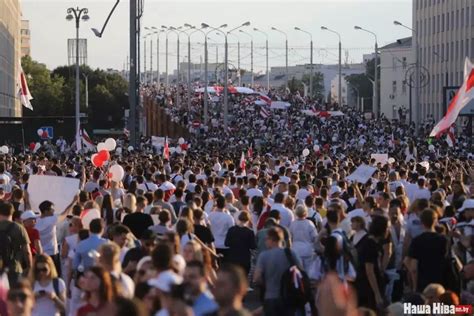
[46, 132]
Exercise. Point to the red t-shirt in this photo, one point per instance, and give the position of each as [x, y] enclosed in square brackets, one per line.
[88, 310]
[33, 234]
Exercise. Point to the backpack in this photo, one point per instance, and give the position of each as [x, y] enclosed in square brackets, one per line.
[348, 249]
[6, 251]
[295, 288]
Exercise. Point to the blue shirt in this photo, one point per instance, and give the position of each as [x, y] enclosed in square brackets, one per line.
[83, 249]
[204, 304]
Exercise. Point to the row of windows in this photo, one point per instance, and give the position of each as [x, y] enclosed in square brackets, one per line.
[445, 22]
[25, 32]
[452, 51]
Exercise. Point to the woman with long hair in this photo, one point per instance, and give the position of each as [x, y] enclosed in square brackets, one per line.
[107, 211]
[99, 290]
[50, 291]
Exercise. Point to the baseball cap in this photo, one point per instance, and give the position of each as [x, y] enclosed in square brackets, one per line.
[165, 281]
[468, 204]
[28, 215]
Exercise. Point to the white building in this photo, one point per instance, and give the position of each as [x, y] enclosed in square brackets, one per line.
[395, 59]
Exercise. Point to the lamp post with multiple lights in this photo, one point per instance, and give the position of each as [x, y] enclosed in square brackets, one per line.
[339, 91]
[286, 53]
[310, 60]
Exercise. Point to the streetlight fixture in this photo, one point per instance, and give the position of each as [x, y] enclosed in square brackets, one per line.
[266, 53]
[77, 14]
[340, 65]
[311, 60]
[417, 74]
[286, 53]
[251, 55]
[189, 27]
[168, 30]
[96, 31]
[376, 74]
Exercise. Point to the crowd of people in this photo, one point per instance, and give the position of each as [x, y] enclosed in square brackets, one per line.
[206, 232]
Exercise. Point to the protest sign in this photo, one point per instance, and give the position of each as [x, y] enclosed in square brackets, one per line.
[362, 174]
[157, 141]
[59, 190]
[382, 158]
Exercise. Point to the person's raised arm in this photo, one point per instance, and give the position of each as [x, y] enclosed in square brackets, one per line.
[62, 216]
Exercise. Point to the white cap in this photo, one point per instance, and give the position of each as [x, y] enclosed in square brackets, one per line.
[165, 281]
[28, 215]
[468, 204]
[334, 189]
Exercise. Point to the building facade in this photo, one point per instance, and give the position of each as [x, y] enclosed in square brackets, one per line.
[10, 24]
[444, 30]
[396, 60]
[25, 38]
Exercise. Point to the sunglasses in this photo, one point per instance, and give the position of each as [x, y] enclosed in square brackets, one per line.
[17, 296]
[42, 269]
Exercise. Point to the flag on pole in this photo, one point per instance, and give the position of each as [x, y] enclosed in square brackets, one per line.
[265, 98]
[250, 152]
[23, 91]
[450, 136]
[78, 139]
[463, 96]
[242, 162]
[87, 143]
[166, 150]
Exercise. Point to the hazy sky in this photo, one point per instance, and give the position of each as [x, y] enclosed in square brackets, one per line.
[50, 30]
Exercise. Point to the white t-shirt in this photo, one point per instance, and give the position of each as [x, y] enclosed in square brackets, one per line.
[254, 192]
[220, 224]
[127, 284]
[147, 187]
[43, 305]
[46, 227]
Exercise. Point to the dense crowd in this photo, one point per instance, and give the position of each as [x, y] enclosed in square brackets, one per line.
[205, 232]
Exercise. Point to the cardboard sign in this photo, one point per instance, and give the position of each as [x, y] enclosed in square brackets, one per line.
[362, 174]
[157, 141]
[59, 190]
[382, 158]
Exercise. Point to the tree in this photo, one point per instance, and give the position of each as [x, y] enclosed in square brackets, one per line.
[318, 84]
[45, 87]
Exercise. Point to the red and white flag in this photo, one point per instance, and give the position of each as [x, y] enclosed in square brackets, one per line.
[264, 112]
[87, 143]
[166, 150]
[23, 91]
[265, 99]
[450, 136]
[250, 152]
[242, 164]
[463, 96]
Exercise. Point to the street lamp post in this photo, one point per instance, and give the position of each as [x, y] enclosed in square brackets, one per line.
[376, 73]
[417, 75]
[310, 60]
[266, 59]
[340, 65]
[144, 59]
[77, 15]
[286, 54]
[251, 55]
[86, 79]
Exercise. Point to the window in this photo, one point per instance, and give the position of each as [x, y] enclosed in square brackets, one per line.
[447, 21]
[394, 63]
[453, 57]
[462, 17]
[452, 20]
[461, 50]
[457, 19]
[467, 47]
[404, 62]
[467, 16]
[434, 25]
[442, 23]
[404, 87]
[456, 56]
[438, 24]
[394, 87]
[442, 51]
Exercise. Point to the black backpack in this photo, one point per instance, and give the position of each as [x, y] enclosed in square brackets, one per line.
[7, 254]
[295, 287]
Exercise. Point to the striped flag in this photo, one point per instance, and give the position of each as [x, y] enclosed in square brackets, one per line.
[23, 91]
[87, 143]
[463, 96]
[450, 136]
[250, 152]
[166, 150]
[265, 99]
[242, 164]
[264, 112]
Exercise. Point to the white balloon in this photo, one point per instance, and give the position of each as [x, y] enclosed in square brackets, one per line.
[130, 148]
[431, 147]
[118, 150]
[391, 160]
[4, 149]
[316, 148]
[178, 150]
[181, 140]
[117, 173]
[305, 152]
[39, 132]
[110, 144]
[101, 146]
[37, 146]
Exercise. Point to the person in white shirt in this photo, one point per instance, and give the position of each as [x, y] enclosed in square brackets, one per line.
[146, 185]
[253, 190]
[220, 221]
[421, 192]
[286, 215]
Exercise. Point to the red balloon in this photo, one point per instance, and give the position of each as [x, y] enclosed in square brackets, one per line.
[32, 146]
[97, 161]
[104, 155]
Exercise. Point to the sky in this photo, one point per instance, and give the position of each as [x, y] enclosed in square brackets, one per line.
[50, 30]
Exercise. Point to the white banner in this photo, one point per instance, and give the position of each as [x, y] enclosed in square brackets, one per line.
[362, 174]
[59, 190]
[382, 158]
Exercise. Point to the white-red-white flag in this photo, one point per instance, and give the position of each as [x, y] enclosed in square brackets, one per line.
[450, 136]
[264, 112]
[23, 91]
[87, 143]
[242, 162]
[463, 96]
[166, 150]
[250, 152]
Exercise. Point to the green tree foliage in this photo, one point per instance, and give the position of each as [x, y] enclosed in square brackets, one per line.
[318, 84]
[54, 93]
